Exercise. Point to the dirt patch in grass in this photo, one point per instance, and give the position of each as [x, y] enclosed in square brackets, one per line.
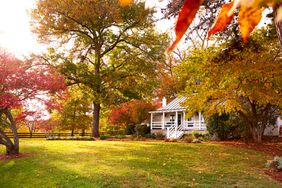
[274, 174]
[21, 155]
[274, 149]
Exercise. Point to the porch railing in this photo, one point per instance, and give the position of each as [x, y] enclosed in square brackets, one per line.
[157, 125]
[195, 125]
[188, 125]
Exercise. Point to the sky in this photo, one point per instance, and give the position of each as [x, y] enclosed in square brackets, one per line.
[15, 31]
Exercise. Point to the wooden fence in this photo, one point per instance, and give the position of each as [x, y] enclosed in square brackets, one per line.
[44, 135]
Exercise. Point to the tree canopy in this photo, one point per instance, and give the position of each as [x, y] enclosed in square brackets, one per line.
[133, 112]
[237, 77]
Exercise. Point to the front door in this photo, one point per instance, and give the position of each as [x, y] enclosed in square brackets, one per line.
[179, 118]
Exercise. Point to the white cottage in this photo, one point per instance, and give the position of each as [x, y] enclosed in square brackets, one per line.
[171, 120]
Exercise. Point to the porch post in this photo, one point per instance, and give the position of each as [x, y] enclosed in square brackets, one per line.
[176, 120]
[151, 121]
[163, 121]
[184, 120]
[194, 120]
[200, 120]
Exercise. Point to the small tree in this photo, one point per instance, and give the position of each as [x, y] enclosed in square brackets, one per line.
[31, 120]
[130, 113]
[19, 81]
[76, 110]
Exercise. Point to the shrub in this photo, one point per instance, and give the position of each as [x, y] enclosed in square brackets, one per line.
[160, 136]
[113, 130]
[197, 134]
[157, 136]
[130, 129]
[142, 130]
[104, 137]
[120, 136]
[225, 126]
[137, 138]
[188, 138]
[173, 140]
[153, 136]
[275, 164]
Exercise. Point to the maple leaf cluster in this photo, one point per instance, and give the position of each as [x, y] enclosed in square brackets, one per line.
[250, 14]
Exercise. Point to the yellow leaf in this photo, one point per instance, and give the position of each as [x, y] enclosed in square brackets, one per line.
[125, 2]
[249, 18]
[223, 19]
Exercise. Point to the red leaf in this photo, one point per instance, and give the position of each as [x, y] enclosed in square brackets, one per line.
[185, 18]
[223, 19]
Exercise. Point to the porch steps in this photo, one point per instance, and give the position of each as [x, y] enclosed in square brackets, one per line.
[175, 132]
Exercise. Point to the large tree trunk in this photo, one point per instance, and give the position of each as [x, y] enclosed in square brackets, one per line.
[255, 128]
[83, 132]
[30, 134]
[72, 132]
[257, 133]
[12, 148]
[96, 118]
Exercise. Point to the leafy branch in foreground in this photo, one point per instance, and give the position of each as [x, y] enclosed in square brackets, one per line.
[250, 14]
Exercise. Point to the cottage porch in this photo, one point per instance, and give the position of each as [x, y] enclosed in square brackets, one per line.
[165, 120]
[171, 120]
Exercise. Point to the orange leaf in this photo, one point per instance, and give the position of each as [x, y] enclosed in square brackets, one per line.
[249, 18]
[223, 19]
[185, 18]
[125, 2]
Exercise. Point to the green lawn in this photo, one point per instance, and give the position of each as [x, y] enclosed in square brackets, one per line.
[133, 164]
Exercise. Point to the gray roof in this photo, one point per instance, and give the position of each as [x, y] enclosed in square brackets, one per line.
[174, 105]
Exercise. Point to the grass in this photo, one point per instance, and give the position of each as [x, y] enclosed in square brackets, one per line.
[133, 164]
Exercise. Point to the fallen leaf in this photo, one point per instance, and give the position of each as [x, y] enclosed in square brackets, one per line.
[185, 18]
[223, 19]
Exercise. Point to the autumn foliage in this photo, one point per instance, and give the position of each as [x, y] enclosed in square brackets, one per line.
[21, 81]
[131, 113]
[250, 14]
